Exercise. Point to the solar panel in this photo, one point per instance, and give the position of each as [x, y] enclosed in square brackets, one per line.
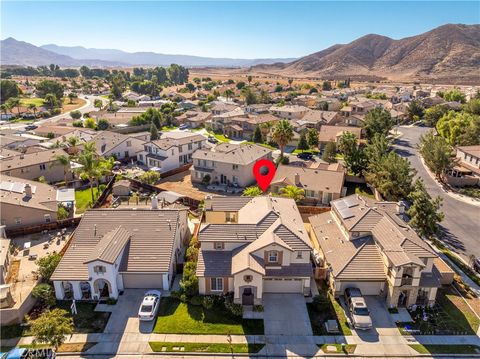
[18, 187]
[350, 202]
[345, 213]
[341, 204]
[6, 186]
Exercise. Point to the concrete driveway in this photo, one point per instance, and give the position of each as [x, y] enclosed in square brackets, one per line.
[383, 323]
[285, 314]
[124, 317]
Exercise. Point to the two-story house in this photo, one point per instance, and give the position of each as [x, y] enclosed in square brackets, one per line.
[322, 183]
[171, 151]
[116, 249]
[227, 164]
[289, 112]
[251, 246]
[467, 170]
[366, 244]
[118, 145]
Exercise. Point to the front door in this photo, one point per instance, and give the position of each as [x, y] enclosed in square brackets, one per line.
[247, 296]
[223, 179]
[402, 298]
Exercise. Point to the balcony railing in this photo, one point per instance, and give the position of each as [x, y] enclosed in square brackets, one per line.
[407, 281]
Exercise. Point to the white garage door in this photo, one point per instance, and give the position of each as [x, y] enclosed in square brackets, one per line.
[367, 288]
[282, 285]
[150, 281]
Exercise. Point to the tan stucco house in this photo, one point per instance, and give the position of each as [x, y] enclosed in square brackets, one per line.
[366, 244]
[228, 164]
[251, 246]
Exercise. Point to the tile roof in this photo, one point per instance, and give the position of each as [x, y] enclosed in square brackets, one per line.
[310, 178]
[152, 235]
[110, 246]
[330, 133]
[30, 159]
[233, 153]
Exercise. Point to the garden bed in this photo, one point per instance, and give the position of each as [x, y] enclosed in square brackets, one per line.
[169, 347]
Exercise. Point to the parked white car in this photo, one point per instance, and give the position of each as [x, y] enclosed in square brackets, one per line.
[358, 309]
[150, 304]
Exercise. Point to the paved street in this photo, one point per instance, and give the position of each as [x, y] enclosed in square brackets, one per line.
[461, 226]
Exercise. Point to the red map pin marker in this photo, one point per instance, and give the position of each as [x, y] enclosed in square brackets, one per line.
[264, 179]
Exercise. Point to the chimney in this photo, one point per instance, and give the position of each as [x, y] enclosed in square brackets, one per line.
[297, 179]
[154, 202]
[28, 190]
[400, 207]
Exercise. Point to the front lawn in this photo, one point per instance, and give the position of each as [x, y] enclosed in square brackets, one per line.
[315, 152]
[63, 348]
[205, 347]
[450, 316]
[176, 317]
[324, 308]
[168, 128]
[446, 349]
[33, 100]
[86, 320]
[83, 199]
[266, 145]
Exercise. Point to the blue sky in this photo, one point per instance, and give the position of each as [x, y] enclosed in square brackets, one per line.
[245, 29]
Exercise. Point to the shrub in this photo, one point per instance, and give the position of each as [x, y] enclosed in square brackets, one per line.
[208, 302]
[192, 253]
[175, 294]
[258, 308]
[235, 309]
[103, 124]
[77, 123]
[44, 293]
[206, 179]
[189, 282]
[111, 301]
[150, 177]
[47, 265]
[183, 298]
[196, 300]
[76, 114]
[62, 213]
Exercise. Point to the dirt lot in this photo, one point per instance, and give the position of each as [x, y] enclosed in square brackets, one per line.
[182, 183]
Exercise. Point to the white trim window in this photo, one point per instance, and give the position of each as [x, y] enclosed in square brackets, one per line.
[273, 257]
[100, 269]
[216, 284]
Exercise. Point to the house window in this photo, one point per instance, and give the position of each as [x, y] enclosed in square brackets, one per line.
[299, 255]
[247, 278]
[47, 218]
[235, 167]
[18, 220]
[219, 245]
[273, 257]
[126, 154]
[173, 152]
[217, 284]
[129, 143]
[230, 217]
[190, 146]
[180, 149]
[43, 167]
[99, 269]
[309, 193]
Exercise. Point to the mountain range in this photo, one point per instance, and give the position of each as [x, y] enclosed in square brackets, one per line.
[446, 52]
[450, 52]
[16, 52]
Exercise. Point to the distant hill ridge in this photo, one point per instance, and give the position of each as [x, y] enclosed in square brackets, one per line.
[446, 51]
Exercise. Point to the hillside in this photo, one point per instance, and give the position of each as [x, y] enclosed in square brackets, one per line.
[152, 58]
[22, 53]
[447, 52]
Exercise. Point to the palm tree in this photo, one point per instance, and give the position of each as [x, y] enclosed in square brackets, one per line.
[228, 93]
[283, 134]
[265, 128]
[65, 162]
[89, 169]
[33, 107]
[293, 192]
[73, 141]
[50, 99]
[5, 108]
[14, 102]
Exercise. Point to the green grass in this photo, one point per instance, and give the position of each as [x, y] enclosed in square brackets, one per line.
[446, 349]
[315, 152]
[450, 316]
[83, 199]
[263, 145]
[473, 192]
[465, 269]
[359, 188]
[27, 101]
[327, 308]
[63, 348]
[85, 321]
[176, 317]
[206, 347]
[168, 128]
[349, 348]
